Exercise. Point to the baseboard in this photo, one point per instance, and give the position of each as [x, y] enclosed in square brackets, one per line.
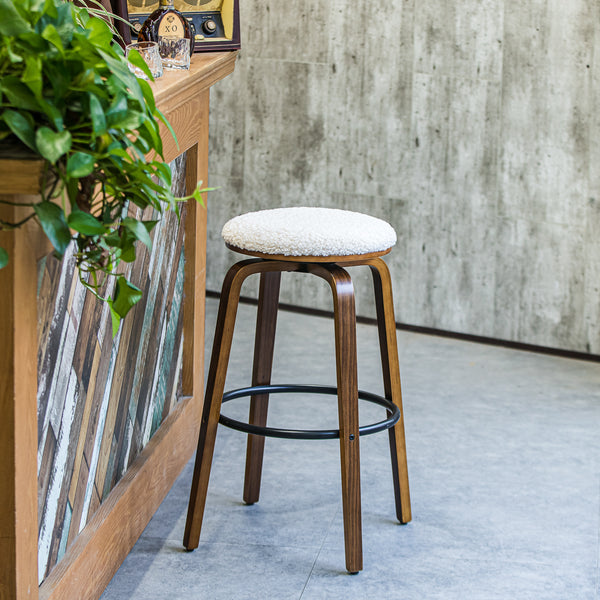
[478, 339]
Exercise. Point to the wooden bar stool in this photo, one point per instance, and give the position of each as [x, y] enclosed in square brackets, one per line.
[320, 241]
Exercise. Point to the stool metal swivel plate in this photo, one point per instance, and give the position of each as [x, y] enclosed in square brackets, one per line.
[330, 236]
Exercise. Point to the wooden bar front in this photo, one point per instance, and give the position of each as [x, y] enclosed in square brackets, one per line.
[93, 558]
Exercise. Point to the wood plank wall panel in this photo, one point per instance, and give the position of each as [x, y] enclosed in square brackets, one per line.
[100, 399]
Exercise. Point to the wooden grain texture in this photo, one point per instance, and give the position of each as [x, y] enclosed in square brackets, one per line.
[342, 290]
[347, 380]
[185, 102]
[121, 421]
[264, 344]
[96, 412]
[181, 99]
[176, 88]
[21, 176]
[88, 566]
[350, 258]
[18, 492]
[72, 432]
[347, 383]
[212, 406]
[188, 119]
[192, 375]
[386, 324]
[215, 384]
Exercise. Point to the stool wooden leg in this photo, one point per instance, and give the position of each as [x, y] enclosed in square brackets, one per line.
[347, 383]
[391, 380]
[264, 342]
[212, 402]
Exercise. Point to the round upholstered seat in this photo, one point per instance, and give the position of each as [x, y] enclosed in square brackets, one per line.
[313, 233]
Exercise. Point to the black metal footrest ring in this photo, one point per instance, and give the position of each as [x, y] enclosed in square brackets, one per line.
[306, 434]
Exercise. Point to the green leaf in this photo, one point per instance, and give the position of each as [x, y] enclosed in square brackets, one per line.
[32, 76]
[80, 164]
[115, 319]
[3, 258]
[128, 120]
[49, 8]
[163, 171]
[52, 219]
[65, 25]
[85, 223]
[142, 145]
[150, 225]
[54, 114]
[116, 152]
[199, 191]
[148, 94]
[122, 77]
[18, 93]
[100, 32]
[97, 114]
[61, 73]
[126, 297]
[127, 247]
[12, 23]
[51, 144]
[33, 41]
[138, 229]
[111, 241]
[154, 138]
[135, 58]
[21, 125]
[72, 187]
[117, 108]
[12, 55]
[51, 35]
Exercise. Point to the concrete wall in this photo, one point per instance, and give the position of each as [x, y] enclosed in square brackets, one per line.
[470, 125]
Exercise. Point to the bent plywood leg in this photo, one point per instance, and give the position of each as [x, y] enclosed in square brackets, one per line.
[230, 294]
[391, 381]
[264, 342]
[347, 383]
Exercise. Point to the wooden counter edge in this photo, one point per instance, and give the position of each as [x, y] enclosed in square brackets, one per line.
[176, 87]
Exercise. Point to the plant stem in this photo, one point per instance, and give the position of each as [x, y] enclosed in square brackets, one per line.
[6, 225]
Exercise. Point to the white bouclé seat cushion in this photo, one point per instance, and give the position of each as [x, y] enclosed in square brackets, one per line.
[308, 231]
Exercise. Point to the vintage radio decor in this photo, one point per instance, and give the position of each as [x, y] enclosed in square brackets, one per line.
[215, 23]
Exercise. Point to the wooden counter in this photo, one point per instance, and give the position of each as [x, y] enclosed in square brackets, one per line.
[95, 555]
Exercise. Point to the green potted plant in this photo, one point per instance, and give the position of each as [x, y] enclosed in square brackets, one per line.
[67, 95]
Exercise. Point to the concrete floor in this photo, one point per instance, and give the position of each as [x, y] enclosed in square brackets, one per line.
[504, 450]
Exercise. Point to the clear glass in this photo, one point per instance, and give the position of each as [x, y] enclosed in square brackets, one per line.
[149, 52]
[174, 52]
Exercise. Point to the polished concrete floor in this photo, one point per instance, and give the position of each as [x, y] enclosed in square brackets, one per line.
[504, 463]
